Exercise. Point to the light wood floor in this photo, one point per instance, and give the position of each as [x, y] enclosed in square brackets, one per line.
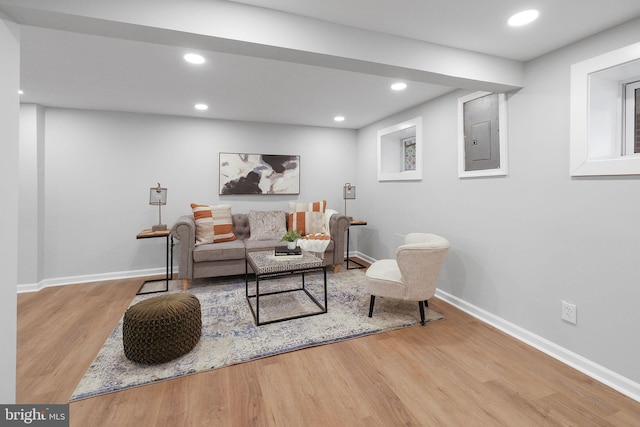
[455, 372]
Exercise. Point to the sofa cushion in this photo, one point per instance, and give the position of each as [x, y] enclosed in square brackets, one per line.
[261, 245]
[219, 251]
[267, 225]
[213, 223]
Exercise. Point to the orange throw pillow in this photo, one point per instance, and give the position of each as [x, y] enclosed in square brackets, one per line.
[213, 223]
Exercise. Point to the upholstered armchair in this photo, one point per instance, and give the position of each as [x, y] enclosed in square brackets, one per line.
[413, 275]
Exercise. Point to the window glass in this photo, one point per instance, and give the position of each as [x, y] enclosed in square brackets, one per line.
[409, 154]
[632, 118]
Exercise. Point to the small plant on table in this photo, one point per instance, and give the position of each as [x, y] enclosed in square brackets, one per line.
[291, 236]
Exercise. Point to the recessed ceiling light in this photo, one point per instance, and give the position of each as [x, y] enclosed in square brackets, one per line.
[20, 92]
[194, 58]
[523, 18]
[201, 107]
[339, 118]
[399, 86]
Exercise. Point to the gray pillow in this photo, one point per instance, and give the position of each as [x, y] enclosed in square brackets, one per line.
[267, 225]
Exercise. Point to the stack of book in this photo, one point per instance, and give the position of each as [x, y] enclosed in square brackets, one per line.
[283, 253]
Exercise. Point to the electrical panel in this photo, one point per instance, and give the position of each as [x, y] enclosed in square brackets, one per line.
[481, 133]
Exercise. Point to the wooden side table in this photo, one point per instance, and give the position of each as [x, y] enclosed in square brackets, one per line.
[150, 234]
[354, 222]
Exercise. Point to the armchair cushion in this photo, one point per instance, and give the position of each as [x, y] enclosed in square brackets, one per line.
[384, 278]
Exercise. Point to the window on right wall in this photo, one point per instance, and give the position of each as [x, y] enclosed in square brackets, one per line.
[605, 107]
[400, 151]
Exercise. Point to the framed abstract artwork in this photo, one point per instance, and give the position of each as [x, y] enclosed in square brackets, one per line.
[242, 173]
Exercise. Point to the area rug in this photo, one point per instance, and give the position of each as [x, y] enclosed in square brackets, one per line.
[230, 336]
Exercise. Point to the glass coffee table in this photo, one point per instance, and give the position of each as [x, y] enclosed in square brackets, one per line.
[266, 266]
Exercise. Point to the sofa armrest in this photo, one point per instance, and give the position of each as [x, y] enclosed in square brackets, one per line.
[184, 230]
[338, 225]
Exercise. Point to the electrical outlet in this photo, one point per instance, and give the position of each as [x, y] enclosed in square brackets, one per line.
[569, 312]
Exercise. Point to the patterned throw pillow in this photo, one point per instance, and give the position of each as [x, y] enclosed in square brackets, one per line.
[222, 224]
[307, 218]
[306, 222]
[213, 223]
[320, 206]
[204, 223]
[267, 225]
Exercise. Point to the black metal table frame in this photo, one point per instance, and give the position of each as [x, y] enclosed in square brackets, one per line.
[169, 270]
[359, 265]
[275, 275]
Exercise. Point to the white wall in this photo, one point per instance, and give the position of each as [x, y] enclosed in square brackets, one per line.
[9, 85]
[521, 244]
[99, 167]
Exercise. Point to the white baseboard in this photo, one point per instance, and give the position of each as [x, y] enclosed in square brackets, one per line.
[600, 373]
[71, 280]
[356, 254]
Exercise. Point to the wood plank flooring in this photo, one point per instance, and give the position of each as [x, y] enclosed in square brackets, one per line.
[456, 372]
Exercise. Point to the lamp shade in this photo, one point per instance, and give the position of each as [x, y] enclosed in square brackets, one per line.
[157, 195]
[349, 191]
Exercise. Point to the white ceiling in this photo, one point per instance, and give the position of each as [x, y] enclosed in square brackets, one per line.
[66, 69]
[476, 25]
[83, 70]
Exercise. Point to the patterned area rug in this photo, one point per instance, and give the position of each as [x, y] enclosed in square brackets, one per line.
[229, 334]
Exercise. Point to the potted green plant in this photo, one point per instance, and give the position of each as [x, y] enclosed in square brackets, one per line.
[291, 236]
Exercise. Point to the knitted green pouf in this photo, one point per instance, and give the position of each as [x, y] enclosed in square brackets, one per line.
[161, 328]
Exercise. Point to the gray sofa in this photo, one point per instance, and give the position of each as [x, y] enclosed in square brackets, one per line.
[228, 258]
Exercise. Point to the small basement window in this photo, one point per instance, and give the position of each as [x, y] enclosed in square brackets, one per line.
[400, 151]
[604, 114]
